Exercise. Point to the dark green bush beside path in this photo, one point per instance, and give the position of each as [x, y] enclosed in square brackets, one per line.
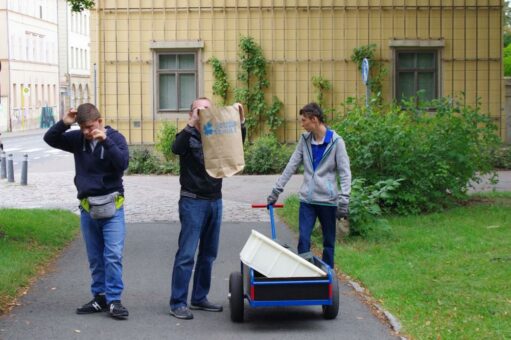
[435, 148]
[443, 275]
[29, 239]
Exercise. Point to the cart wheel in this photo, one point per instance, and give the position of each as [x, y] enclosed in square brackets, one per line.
[236, 301]
[331, 311]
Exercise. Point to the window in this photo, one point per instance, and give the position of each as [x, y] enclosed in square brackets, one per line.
[14, 96]
[417, 74]
[176, 80]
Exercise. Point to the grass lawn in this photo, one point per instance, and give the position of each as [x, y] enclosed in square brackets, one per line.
[29, 239]
[444, 275]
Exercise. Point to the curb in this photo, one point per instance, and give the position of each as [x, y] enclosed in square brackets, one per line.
[394, 323]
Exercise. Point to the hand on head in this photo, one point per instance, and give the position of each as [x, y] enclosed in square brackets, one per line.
[70, 117]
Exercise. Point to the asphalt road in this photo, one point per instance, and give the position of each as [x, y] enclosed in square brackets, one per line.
[47, 311]
[41, 156]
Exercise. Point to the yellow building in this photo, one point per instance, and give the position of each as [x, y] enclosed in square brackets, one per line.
[151, 55]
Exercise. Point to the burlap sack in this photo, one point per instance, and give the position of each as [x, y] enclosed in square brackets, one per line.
[221, 141]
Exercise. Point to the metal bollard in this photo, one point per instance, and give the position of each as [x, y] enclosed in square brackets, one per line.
[3, 166]
[10, 168]
[24, 170]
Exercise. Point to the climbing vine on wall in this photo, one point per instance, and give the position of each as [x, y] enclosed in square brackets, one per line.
[253, 77]
[321, 87]
[221, 83]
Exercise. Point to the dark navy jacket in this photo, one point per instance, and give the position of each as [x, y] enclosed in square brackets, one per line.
[98, 172]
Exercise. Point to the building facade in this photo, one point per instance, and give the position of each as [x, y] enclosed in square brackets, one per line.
[29, 63]
[151, 56]
[74, 57]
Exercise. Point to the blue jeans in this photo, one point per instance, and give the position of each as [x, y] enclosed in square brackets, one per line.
[104, 241]
[200, 227]
[307, 219]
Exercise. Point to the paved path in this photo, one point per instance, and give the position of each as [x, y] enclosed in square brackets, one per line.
[47, 311]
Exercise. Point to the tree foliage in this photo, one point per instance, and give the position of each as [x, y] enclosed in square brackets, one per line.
[80, 5]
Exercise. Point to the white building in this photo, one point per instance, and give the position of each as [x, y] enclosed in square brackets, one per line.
[29, 62]
[44, 62]
[74, 57]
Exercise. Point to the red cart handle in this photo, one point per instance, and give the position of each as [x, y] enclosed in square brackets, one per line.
[261, 205]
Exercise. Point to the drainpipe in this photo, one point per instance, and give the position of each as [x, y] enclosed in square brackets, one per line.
[9, 69]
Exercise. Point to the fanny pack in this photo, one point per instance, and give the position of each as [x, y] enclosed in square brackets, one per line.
[105, 206]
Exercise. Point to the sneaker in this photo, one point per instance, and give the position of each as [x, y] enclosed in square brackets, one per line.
[96, 305]
[118, 311]
[182, 312]
[207, 306]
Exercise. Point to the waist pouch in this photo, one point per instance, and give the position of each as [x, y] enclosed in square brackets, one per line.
[105, 206]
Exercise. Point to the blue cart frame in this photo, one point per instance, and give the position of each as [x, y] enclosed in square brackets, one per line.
[261, 291]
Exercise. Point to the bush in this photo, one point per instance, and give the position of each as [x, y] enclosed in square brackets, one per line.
[164, 140]
[502, 157]
[143, 161]
[266, 156]
[365, 212]
[435, 154]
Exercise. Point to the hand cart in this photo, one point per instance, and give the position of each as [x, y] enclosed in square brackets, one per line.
[262, 291]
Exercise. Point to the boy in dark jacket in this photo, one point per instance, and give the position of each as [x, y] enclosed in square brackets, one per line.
[200, 214]
[101, 156]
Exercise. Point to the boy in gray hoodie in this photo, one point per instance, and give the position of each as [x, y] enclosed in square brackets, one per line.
[323, 155]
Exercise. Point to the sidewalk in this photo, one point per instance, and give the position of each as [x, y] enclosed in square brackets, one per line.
[148, 198]
[15, 134]
[154, 198]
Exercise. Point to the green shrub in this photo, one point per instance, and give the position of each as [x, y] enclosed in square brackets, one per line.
[164, 140]
[507, 61]
[502, 157]
[435, 154]
[266, 156]
[365, 211]
[143, 161]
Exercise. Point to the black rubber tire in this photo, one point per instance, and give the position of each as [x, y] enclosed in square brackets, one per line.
[331, 311]
[236, 300]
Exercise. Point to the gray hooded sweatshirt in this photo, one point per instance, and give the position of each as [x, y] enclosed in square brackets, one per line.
[320, 185]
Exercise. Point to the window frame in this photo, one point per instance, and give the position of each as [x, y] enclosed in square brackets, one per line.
[435, 70]
[176, 72]
[172, 47]
[416, 46]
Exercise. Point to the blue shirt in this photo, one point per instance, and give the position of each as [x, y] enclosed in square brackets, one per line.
[319, 149]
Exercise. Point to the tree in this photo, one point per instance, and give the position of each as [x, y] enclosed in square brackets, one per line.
[80, 5]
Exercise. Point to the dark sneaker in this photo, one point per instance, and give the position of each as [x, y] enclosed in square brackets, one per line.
[182, 312]
[96, 305]
[118, 311]
[207, 306]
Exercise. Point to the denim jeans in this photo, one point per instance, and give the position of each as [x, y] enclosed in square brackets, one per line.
[104, 241]
[200, 227]
[307, 219]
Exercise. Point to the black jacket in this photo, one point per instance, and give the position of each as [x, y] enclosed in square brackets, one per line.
[193, 176]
